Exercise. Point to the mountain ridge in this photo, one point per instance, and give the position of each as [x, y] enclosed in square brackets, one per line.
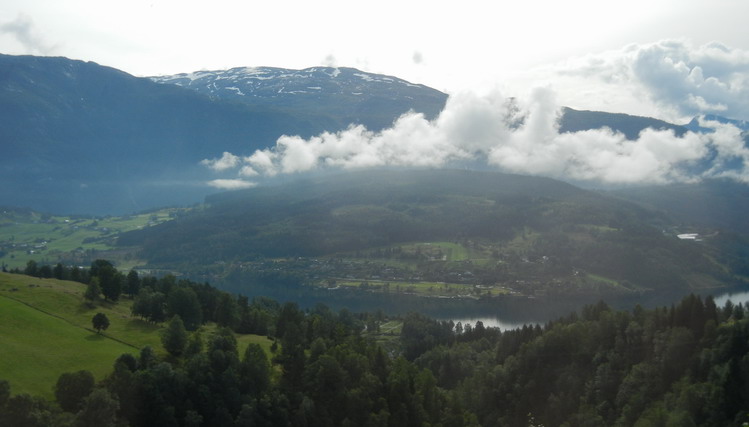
[352, 95]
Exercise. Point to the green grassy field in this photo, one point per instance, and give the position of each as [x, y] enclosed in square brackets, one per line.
[64, 300]
[441, 251]
[45, 330]
[37, 348]
[26, 236]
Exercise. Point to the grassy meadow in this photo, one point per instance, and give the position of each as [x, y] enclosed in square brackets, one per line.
[38, 347]
[45, 330]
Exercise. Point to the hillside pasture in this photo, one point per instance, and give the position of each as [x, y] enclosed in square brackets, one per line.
[38, 347]
[45, 330]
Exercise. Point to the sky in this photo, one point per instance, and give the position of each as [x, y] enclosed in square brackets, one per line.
[667, 59]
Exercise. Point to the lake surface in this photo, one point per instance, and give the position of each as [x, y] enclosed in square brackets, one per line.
[735, 297]
[504, 313]
[515, 322]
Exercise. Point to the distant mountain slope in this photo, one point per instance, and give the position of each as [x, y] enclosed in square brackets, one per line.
[521, 217]
[694, 124]
[631, 126]
[346, 94]
[721, 204]
[351, 211]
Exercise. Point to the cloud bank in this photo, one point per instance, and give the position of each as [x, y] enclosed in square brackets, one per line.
[519, 136]
[680, 78]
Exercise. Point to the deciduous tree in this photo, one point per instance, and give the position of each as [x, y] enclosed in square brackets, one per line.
[93, 290]
[99, 409]
[174, 337]
[132, 284]
[100, 322]
[183, 302]
[72, 388]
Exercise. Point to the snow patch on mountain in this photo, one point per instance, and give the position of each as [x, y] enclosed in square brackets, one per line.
[270, 81]
[236, 89]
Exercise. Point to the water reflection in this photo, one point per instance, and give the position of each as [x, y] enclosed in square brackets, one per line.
[491, 322]
[735, 297]
[551, 310]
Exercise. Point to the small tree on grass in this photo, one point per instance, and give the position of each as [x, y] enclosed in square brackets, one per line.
[100, 322]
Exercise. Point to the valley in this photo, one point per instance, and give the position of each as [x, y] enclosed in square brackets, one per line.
[329, 246]
[364, 239]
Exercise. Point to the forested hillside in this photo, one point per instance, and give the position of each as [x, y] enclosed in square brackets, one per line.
[529, 234]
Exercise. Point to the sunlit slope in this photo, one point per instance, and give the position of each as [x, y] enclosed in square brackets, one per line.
[46, 330]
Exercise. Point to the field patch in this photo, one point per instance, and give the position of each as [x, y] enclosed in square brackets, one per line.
[425, 289]
[26, 236]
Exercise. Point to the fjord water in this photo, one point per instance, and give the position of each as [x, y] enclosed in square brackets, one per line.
[503, 313]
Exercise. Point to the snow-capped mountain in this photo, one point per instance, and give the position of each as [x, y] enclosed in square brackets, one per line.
[346, 94]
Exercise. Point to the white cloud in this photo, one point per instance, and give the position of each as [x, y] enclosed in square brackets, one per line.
[520, 136]
[599, 155]
[675, 75]
[226, 161]
[231, 184]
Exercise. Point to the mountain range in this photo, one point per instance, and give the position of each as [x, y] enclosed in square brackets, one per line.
[78, 137]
